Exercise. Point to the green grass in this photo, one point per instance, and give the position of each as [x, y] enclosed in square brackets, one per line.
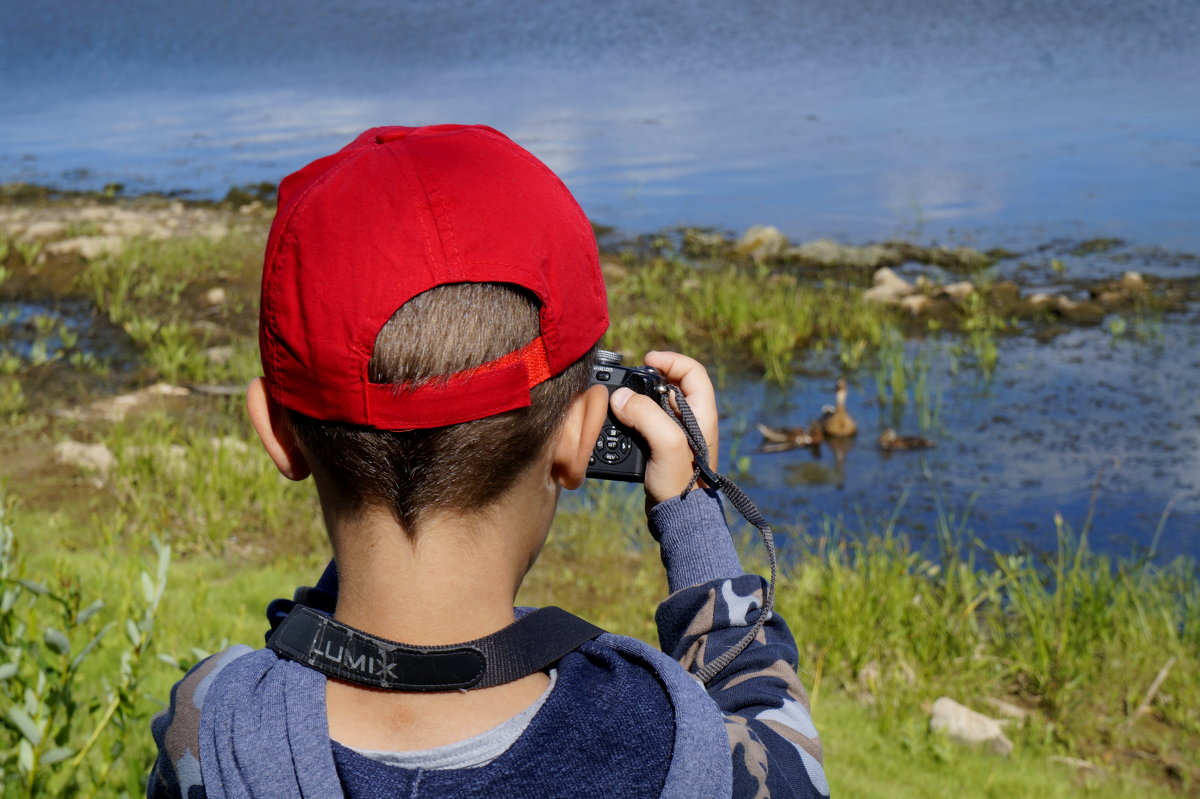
[884, 628]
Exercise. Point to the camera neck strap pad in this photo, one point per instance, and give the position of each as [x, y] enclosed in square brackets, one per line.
[532, 643]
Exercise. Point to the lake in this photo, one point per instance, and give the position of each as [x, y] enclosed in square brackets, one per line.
[1015, 124]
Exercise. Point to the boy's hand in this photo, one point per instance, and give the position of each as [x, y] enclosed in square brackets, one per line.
[670, 467]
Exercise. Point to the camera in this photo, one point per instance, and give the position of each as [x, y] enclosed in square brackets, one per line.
[620, 453]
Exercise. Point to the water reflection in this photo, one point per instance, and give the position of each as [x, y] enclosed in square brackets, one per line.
[849, 120]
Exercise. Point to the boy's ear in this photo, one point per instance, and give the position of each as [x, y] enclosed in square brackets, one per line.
[577, 436]
[270, 420]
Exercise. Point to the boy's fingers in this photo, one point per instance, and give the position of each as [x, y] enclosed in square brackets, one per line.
[669, 469]
[693, 380]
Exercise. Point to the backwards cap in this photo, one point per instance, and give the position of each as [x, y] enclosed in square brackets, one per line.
[394, 213]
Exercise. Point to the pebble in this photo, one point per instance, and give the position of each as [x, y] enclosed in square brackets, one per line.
[90, 457]
[87, 246]
[967, 726]
[761, 242]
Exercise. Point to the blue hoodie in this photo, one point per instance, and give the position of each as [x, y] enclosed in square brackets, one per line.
[623, 718]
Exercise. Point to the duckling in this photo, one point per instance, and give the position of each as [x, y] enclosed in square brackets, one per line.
[890, 442]
[837, 421]
[778, 439]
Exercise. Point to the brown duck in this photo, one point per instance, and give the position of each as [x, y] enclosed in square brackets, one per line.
[778, 439]
[836, 422]
[890, 442]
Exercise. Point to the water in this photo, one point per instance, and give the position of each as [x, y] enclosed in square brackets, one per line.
[1093, 426]
[1015, 123]
[1003, 122]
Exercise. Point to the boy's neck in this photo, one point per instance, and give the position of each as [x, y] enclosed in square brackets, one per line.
[456, 582]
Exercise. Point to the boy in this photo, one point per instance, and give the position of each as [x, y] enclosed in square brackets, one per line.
[432, 301]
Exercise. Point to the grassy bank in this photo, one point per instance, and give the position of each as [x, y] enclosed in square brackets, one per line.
[1098, 657]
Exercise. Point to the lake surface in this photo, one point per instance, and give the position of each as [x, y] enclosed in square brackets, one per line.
[1010, 123]
[1003, 121]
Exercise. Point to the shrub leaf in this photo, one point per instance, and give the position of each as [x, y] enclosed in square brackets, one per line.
[24, 724]
[57, 641]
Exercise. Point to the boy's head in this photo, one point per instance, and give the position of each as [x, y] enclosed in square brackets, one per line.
[430, 300]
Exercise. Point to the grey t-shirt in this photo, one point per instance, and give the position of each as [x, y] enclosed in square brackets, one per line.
[479, 750]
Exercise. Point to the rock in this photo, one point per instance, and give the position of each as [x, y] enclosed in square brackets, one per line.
[888, 287]
[966, 726]
[214, 296]
[215, 230]
[963, 259]
[761, 243]
[114, 409]
[1008, 709]
[230, 444]
[1074, 762]
[87, 246]
[1119, 292]
[45, 229]
[825, 252]
[917, 304]
[1005, 294]
[613, 269]
[959, 291]
[1133, 282]
[1079, 312]
[702, 243]
[219, 356]
[91, 457]
[1040, 301]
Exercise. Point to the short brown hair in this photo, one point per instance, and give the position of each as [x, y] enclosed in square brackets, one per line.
[463, 467]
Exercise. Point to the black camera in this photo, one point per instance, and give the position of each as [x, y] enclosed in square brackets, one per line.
[620, 453]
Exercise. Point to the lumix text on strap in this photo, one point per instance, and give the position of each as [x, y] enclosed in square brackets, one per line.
[532, 643]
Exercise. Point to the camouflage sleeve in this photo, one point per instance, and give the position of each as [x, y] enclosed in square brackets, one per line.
[176, 730]
[775, 748]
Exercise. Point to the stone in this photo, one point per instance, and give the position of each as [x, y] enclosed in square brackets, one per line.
[1008, 709]
[966, 726]
[826, 252]
[1040, 301]
[761, 243]
[45, 229]
[87, 246]
[1081, 312]
[888, 287]
[230, 444]
[220, 355]
[214, 296]
[959, 291]
[215, 230]
[916, 304]
[1133, 282]
[1005, 293]
[702, 242]
[114, 409]
[95, 458]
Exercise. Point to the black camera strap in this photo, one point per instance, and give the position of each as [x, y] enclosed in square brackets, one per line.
[691, 428]
[532, 643]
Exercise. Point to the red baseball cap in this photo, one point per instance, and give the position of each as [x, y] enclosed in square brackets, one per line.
[391, 215]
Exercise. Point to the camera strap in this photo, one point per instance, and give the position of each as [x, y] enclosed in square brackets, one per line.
[691, 428]
[532, 643]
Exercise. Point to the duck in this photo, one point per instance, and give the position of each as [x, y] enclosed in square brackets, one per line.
[836, 421]
[891, 442]
[778, 439]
